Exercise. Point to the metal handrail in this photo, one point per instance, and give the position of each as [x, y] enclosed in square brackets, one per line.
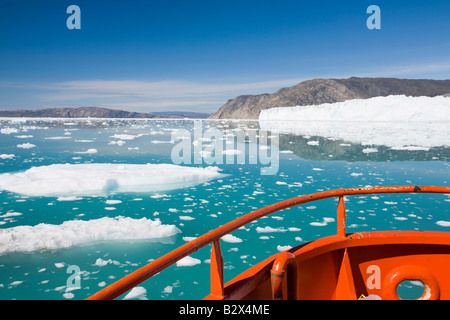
[131, 280]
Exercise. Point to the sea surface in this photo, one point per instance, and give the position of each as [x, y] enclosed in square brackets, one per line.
[300, 164]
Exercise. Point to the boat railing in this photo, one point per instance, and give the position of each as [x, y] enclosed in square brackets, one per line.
[217, 274]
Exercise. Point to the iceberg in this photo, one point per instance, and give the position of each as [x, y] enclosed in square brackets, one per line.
[75, 232]
[398, 122]
[101, 179]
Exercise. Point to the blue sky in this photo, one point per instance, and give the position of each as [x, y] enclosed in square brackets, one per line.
[195, 55]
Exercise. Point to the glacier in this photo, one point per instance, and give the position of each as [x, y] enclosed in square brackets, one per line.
[398, 122]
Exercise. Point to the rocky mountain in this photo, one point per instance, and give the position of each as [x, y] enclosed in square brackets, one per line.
[95, 112]
[318, 91]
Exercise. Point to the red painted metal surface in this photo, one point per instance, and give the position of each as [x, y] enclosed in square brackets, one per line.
[345, 259]
[284, 269]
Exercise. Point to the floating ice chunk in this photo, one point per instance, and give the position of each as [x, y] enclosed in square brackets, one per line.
[283, 248]
[7, 156]
[269, 229]
[119, 143]
[187, 239]
[113, 201]
[74, 232]
[125, 136]
[325, 222]
[96, 179]
[136, 293]
[10, 214]
[188, 262]
[69, 198]
[68, 295]
[354, 174]
[231, 239]
[88, 151]
[168, 289]
[26, 145]
[443, 223]
[157, 196]
[186, 218]
[101, 263]
[411, 148]
[318, 224]
[369, 150]
[8, 130]
[57, 138]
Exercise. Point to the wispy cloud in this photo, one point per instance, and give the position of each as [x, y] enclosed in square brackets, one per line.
[143, 95]
[148, 95]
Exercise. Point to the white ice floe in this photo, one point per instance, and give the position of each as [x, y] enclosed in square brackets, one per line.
[269, 230]
[136, 293]
[325, 222]
[126, 136]
[88, 151]
[97, 179]
[8, 130]
[7, 156]
[443, 223]
[188, 262]
[283, 248]
[231, 239]
[398, 122]
[26, 145]
[75, 232]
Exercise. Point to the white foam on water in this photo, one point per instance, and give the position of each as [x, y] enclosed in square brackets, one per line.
[96, 179]
[75, 232]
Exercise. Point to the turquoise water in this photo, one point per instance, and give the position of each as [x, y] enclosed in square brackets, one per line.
[303, 168]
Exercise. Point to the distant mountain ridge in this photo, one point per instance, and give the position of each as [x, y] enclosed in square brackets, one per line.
[319, 91]
[96, 112]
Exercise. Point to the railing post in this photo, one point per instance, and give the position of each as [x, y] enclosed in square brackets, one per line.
[284, 265]
[216, 270]
[341, 217]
